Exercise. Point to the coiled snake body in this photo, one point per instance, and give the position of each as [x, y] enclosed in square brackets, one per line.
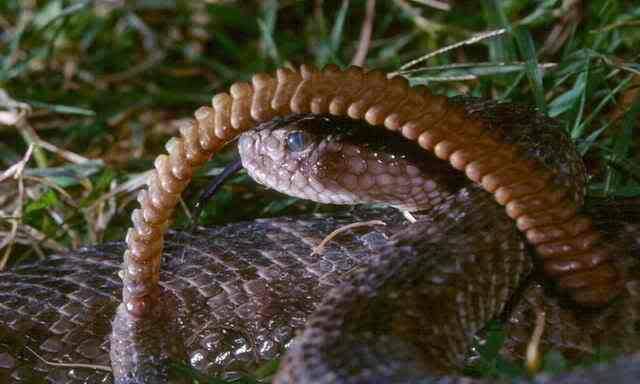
[412, 311]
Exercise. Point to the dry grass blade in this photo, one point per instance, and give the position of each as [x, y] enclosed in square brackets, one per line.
[473, 40]
[15, 171]
[71, 365]
[428, 26]
[319, 249]
[365, 34]
[437, 4]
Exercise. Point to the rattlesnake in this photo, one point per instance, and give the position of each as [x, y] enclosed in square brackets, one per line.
[541, 189]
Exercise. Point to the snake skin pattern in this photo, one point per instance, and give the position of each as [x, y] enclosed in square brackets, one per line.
[398, 338]
[407, 318]
[243, 290]
[398, 309]
[573, 251]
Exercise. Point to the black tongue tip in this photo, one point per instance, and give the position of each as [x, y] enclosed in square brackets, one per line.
[214, 187]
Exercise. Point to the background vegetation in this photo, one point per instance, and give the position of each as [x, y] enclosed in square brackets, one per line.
[91, 90]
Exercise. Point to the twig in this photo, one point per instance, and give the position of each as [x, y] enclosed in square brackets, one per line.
[365, 34]
[474, 65]
[20, 111]
[104, 212]
[130, 185]
[437, 4]
[16, 169]
[67, 155]
[533, 358]
[25, 18]
[409, 216]
[319, 249]
[628, 23]
[65, 195]
[10, 239]
[30, 236]
[429, 26]
[470, 67]
[71, 365]
[570, 14]
[150, 43]
[146, 65]
[16, 172]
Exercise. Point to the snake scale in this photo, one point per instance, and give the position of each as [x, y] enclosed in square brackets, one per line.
[379, 310]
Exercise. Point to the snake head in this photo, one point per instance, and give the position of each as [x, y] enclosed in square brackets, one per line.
[337, 160]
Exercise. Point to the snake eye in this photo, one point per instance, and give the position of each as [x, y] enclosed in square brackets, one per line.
[296, 141]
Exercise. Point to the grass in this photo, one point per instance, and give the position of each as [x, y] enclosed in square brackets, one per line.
[97, 87]
[489, 363]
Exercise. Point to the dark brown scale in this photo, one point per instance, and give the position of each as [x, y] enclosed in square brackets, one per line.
[406, 317]
[572, 250]
[62, 308]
